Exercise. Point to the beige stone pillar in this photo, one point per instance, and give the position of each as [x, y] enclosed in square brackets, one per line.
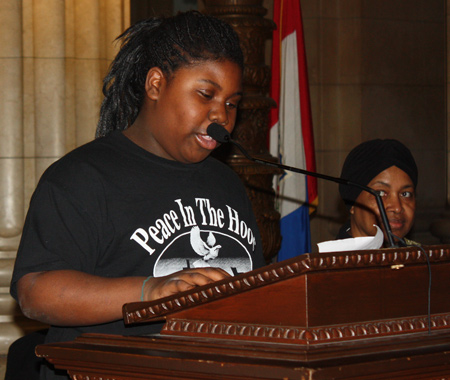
[115, 18]
[11, 125]
[87, 71]
[49, 81]
[53, 56]
[11, 158]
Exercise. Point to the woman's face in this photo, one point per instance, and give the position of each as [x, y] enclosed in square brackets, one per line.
[398, 195]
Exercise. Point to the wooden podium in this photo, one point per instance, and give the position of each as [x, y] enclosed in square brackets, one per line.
[349, 315]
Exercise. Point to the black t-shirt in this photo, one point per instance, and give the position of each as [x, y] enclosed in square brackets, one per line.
[112, 209]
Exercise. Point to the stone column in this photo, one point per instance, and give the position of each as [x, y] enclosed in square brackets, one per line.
[91, 28]
[11, 121]
[87, 71]
[11, 158]
[114, 18]
[53, 56]
[49, 81]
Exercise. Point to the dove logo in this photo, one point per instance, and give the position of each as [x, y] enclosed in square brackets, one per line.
[199, 248]
[207, 249]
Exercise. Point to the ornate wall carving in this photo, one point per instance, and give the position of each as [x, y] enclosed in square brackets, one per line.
[247, 18]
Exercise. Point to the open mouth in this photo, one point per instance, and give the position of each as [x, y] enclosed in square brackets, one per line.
[206, 142]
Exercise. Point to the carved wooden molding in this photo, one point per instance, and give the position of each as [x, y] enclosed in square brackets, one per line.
[296, 335]
[391, 256]
[145, 311]
[90, 377]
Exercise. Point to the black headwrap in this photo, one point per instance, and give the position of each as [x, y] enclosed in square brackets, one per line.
[369, 159]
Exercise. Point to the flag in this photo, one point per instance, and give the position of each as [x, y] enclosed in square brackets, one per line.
[291, 135]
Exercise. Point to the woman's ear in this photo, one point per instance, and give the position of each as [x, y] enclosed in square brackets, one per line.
[154, 82]
[352, 210]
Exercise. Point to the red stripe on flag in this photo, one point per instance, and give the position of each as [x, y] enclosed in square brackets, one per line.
[288, 17]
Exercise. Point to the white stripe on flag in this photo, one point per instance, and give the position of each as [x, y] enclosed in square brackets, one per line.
[286, 137]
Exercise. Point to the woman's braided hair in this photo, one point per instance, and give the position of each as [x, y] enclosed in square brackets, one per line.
[167, 43]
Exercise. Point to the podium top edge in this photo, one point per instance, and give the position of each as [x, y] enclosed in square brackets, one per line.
[140, 312]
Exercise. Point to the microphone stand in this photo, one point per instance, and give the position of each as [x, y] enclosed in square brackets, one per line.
[223, 136]
[347, 182]
[381, 208]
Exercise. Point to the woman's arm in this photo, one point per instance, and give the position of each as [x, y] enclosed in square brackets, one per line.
[73, 298]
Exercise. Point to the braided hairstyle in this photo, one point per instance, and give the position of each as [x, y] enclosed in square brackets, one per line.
[168, 43]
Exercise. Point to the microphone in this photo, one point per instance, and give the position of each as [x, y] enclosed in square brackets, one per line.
[221, 135]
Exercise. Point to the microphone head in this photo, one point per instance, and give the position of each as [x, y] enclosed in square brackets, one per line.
[218, 133]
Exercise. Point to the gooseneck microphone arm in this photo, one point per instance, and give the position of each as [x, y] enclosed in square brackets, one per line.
[221, 135]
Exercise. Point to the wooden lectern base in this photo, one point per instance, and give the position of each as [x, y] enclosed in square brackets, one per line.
[107, 357]
[378, 314]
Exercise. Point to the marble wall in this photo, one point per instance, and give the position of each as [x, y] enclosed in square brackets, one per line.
[53, 56]
[441, 226]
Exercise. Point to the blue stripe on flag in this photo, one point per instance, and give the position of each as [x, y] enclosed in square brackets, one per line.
[295, 232]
